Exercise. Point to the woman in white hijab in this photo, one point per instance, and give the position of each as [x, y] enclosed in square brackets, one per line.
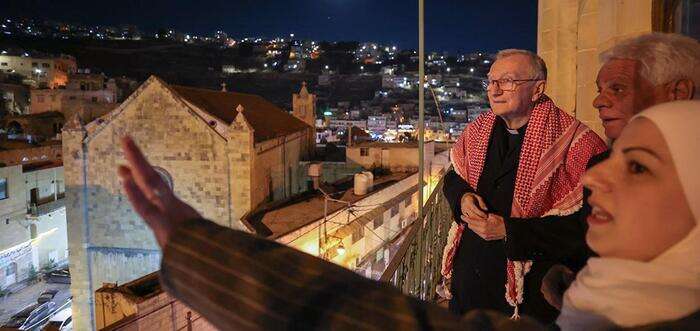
[644, 226]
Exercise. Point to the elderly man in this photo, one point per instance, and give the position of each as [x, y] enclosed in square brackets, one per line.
[636, 74]
[524, 159]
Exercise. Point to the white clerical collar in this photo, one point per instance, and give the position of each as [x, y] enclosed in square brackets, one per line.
[511, 131]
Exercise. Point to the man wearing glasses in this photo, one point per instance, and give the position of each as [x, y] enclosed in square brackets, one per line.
[513, 165]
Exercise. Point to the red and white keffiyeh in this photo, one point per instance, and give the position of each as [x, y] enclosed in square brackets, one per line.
[553, 158]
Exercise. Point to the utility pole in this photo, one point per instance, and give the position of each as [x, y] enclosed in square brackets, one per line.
[421, 104]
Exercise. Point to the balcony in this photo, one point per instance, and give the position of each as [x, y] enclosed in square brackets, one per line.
[415, 268]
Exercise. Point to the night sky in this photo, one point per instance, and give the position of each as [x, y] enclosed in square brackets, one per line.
[451, 25]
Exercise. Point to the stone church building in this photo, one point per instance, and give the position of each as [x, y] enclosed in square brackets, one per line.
[224, 153]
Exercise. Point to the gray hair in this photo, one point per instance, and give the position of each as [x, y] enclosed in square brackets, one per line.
[538, 69]
[664, 57]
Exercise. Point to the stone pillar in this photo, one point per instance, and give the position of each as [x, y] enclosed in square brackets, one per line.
[77, 226]
[241, 154]
[571, 34]
[304, 108]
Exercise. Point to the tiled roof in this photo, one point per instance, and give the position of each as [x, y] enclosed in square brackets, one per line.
[268, 120]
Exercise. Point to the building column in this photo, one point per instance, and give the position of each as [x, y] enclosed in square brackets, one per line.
[240, 149]
[76, 213]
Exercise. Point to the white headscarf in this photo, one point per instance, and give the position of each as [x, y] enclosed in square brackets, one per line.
[626, 293]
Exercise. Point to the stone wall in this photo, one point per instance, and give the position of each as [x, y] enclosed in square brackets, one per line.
[48, 182]
[109, 241]
[277, 163]
[157, 311]
[570, 36]
[15, 249]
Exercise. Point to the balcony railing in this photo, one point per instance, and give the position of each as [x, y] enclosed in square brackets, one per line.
[415, 268]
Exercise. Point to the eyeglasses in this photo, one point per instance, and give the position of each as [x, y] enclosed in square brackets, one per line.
[507, 84]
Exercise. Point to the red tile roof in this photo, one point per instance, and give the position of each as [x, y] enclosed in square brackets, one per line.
[268, 120]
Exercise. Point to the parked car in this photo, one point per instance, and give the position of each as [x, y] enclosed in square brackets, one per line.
[31, 317]
[46, 296]
[61, 276]
[61, 321]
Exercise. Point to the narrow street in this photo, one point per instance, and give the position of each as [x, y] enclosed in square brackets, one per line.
[13, 303]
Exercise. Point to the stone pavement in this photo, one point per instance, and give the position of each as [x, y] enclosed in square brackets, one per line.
[13, 303]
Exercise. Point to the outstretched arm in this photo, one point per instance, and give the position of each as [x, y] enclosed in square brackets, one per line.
[239, 281]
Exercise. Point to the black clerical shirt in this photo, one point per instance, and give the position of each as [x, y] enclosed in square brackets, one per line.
[479, 273]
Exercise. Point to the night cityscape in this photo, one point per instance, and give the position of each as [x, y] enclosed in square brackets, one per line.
[299, 122]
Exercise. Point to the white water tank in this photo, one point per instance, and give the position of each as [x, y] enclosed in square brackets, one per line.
[370, 178]
[315, 169]
[361, 184]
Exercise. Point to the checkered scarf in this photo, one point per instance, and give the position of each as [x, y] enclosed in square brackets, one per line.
[553, 157]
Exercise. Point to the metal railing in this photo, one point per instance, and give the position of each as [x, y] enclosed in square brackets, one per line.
[415, 268]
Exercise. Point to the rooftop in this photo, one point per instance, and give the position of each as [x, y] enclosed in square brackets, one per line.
[268, 120]
[29, 167]
[277, 220]
[379, 144]
[138, 290]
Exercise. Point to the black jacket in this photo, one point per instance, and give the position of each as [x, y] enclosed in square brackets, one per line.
[479, 279]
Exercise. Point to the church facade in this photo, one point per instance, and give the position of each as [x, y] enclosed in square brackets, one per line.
[224, 153]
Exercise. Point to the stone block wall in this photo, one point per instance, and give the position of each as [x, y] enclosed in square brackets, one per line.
[570, 36]
[108, 241]
[158, 311]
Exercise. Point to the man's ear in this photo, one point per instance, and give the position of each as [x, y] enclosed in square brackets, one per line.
[682, 89]
[540, 86]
